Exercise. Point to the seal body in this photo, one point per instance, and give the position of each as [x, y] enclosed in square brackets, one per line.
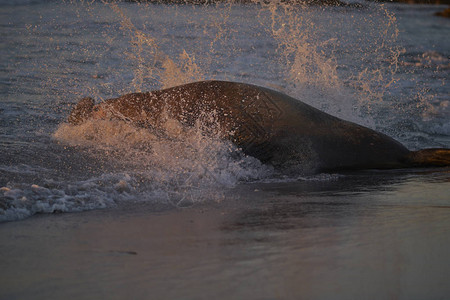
[266, 124]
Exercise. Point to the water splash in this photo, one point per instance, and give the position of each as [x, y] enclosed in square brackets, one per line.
[308, 57]
[188, 164]
[345, 61]
[342, 60]
[345, 64]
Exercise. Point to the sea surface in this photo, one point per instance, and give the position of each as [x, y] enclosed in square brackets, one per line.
[107, 210]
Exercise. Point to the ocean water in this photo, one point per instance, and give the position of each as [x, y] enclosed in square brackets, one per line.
[385, 66]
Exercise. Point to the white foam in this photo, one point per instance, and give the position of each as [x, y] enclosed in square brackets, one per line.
[23, 200]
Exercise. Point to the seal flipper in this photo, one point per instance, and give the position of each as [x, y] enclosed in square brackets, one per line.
[81, 111]
[429, 158]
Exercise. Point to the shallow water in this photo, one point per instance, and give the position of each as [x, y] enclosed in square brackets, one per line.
[192, 217]
[359, 236]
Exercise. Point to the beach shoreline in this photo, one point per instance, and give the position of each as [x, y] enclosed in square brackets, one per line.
[279, 242]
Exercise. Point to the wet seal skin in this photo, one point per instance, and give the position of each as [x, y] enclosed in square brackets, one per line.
[271, 126]
[254, 134]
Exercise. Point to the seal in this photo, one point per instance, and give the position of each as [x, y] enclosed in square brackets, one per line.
[266, 124]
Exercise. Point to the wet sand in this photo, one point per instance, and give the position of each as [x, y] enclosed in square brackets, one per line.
[362, 237]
